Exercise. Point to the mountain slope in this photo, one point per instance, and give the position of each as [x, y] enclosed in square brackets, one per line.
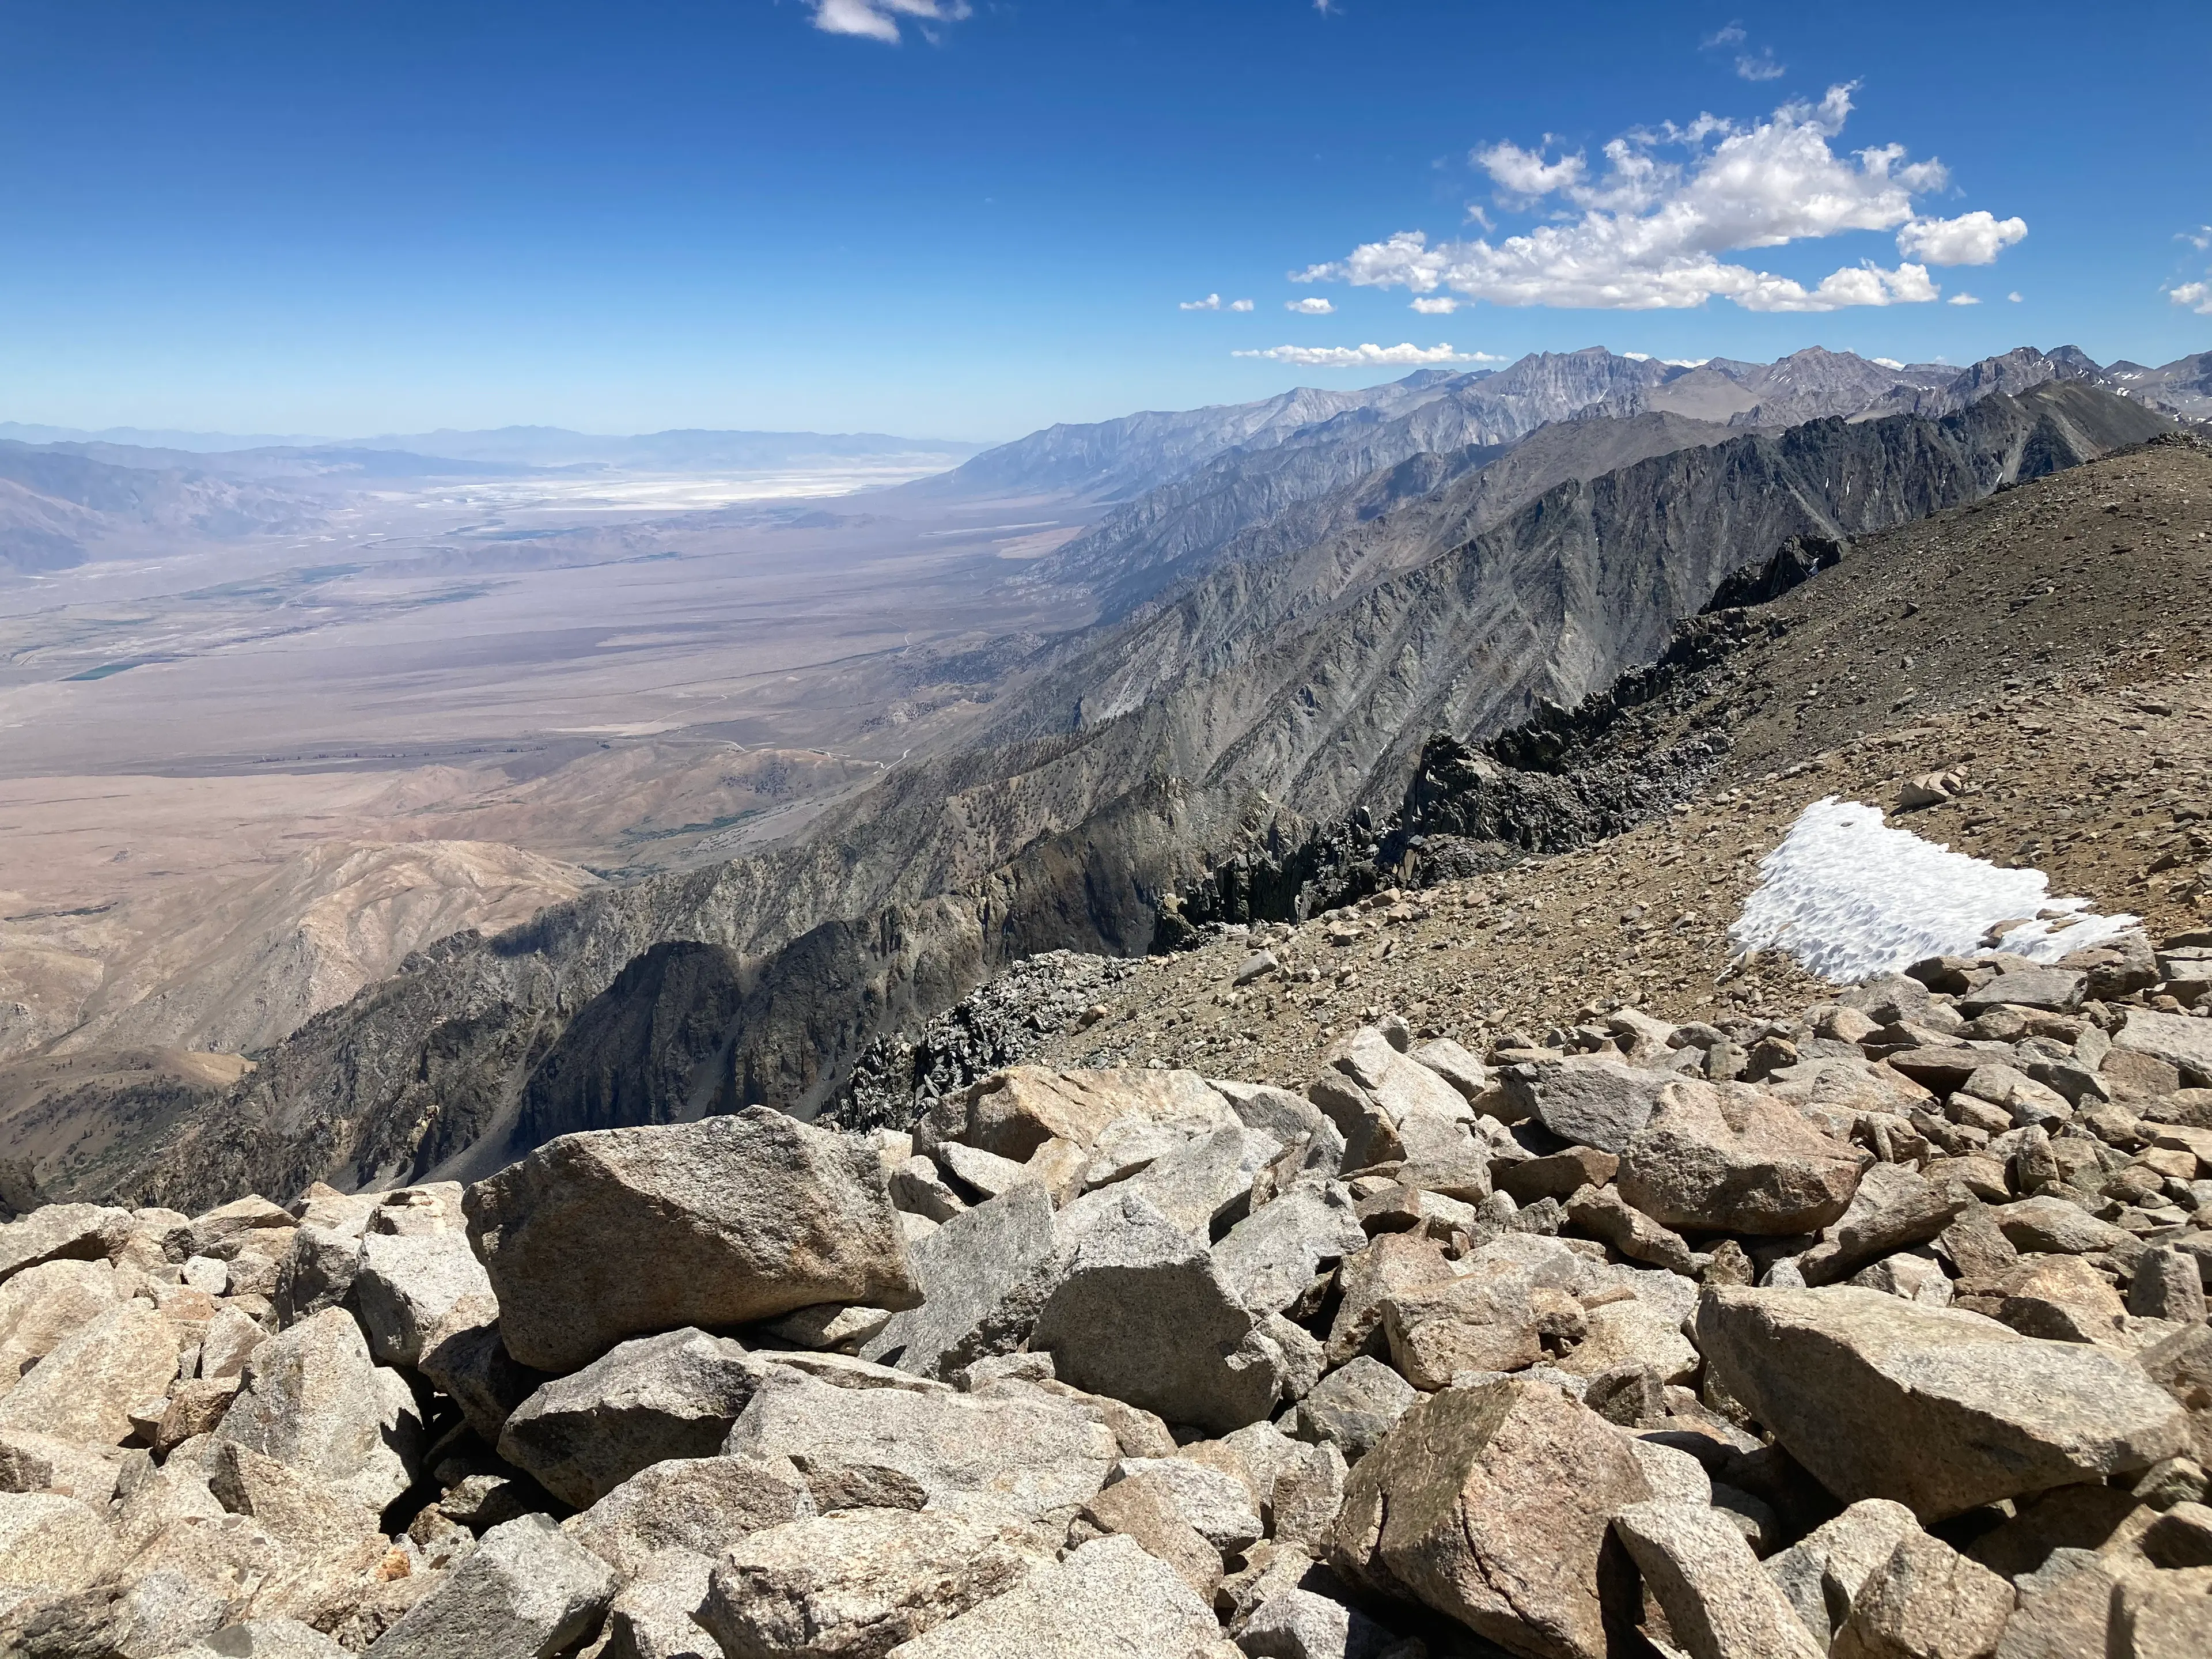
[909, 894]
[56, 508]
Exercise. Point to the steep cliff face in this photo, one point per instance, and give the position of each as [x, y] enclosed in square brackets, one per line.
[1250, 704]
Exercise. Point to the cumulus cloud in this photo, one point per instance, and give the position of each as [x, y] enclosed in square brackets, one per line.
[1368, 356]
[1647, 231]
[1212, 302]
[1963, 300]
[1886, 362]
[1972, 239]
[879, 19]
[1313, 306]
[1440, 304]
[2197, 296]
[2013, 296]
[2200, 239]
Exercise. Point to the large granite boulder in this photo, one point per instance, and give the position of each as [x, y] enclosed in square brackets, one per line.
[526, 1591]
[1010, 1457]
[1143, 1314]
[639, 1404]
[316, 1402]
[1730, 1159]
[1014, 1112]
[1493, 1505]
[1938, 1408]
[855, 1583]
[616, 1233]
[983, 1276]
[1110, 1597]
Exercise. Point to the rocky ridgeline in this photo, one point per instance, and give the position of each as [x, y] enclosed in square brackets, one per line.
[1879, 1332]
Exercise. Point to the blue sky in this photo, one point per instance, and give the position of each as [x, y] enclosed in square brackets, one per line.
[364, 217]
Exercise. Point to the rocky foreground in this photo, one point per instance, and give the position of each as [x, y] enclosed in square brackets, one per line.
[1878, 1333]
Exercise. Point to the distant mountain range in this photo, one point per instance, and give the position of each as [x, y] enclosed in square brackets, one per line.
[1434, 412]
[683, 451]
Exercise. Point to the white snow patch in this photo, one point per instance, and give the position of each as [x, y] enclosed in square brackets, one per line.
[1849, 897]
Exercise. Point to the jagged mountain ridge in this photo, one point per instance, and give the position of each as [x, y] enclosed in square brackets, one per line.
[908, 896]
[1177, 528]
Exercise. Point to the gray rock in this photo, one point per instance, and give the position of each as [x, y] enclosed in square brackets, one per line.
[1601, 1212]
[1718, 1604]
[1297, 1623]
[1465, 1324]
[2181, 1042]
[1729, 1159]
[1908, 1212]
[2168, 1285]
[1109, 1597]
[1454, 1064]
[317, 1272]
[599, 1237]
[917, 1188]
[231, 1336]
[855, 1584]
[1143, 1315]
[983, 1275]
[698, 1505]
[225, 1230]
[1354, 1405]
[1591, 1103]
[315, 1400]
[654, 1614]
[1277, 1112]
[87, 1387]
[1013, 1456]
[1821, 1573]
[1926, 1601]
[1937, 1409]
[414, 1291]
[49, 1542]
[1193, 1187]
[42, 1306]
[2162, 1615]
[1269, 1258]
[1014, 1112]
[526, 1591]
[1145, 1510]
[275, 1638]
[43, 1462]
[296, 1510]
[642, 1403]
[1492, 1505]
[2064, 1608]
[2057, 989]
[472, 1367]
[984, 1172]
[831, 1327]
[1220, 1507]
[2053, 1226]
[59, 1232]
[1257, 966]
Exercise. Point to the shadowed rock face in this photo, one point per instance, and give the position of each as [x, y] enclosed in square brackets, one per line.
[1257, 699]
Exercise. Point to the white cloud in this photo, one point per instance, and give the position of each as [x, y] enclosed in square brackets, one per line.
[1730, 35]
[1759, 66]
[1972, 239]
[2013, 296]
[1368, 356]
[878, 19]
[1240, 305]
[2200, 239]
[1886, 362]
[1647, 233]
[1963, 300]
[2197, 296]
[1309, 307]
[1213, 302]
[1441, 305]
